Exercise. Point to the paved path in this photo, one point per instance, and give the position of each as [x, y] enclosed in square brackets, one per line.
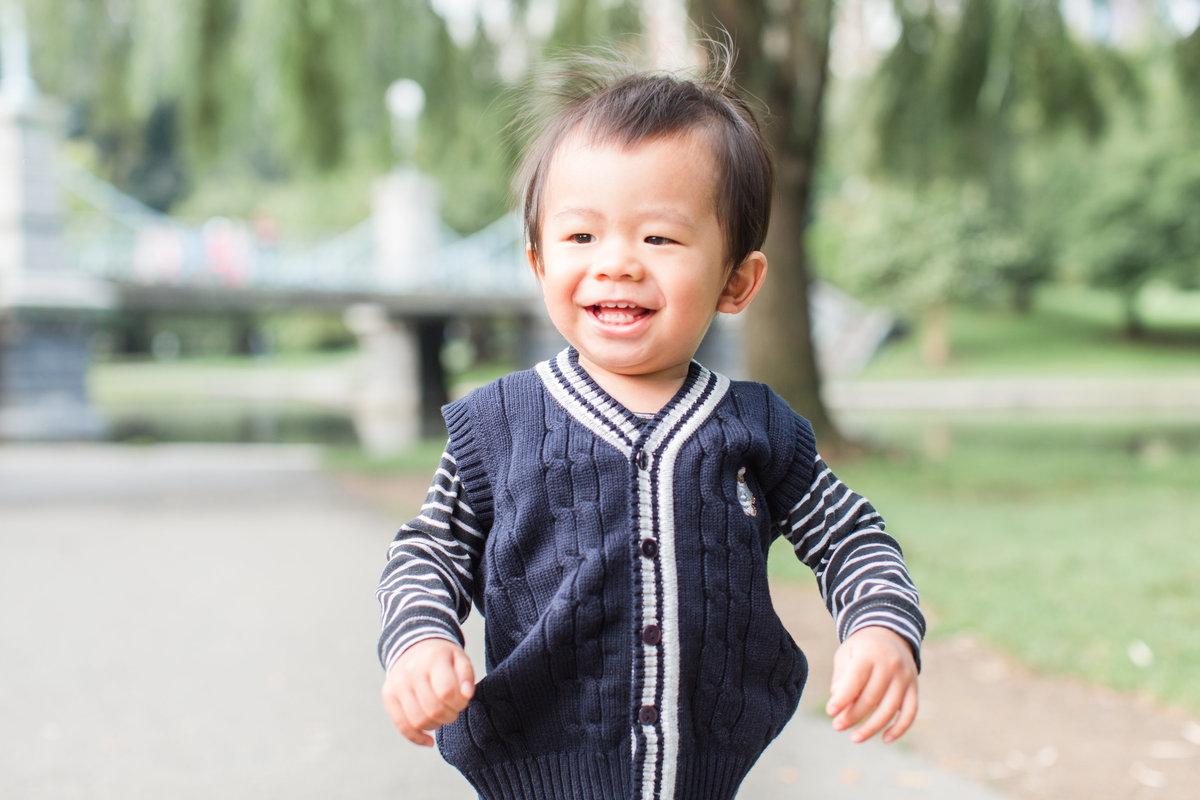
[198, 622]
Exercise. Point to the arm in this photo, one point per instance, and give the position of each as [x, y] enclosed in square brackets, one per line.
[866, 586]
[424, 594]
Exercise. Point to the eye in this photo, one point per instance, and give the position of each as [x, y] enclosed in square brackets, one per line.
[581, 238]
[659, 240]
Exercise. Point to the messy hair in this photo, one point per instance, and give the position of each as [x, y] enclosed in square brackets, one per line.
[613, 103]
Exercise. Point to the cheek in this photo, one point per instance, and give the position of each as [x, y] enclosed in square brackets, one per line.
[557, 287]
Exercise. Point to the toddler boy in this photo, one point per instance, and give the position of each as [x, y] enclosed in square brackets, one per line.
[610, 511]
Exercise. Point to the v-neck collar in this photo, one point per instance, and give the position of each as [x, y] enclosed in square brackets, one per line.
[579, 394]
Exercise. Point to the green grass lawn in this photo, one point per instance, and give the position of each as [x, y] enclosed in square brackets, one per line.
[1065, 545]
[1072, 332]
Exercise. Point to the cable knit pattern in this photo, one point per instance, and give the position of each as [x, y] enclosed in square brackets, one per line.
[620, 562]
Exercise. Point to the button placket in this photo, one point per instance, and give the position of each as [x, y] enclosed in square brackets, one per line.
[651, 633]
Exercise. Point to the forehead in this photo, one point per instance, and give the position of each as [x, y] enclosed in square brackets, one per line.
[683, 165]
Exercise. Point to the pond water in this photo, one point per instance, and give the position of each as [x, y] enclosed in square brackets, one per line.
[231, 422]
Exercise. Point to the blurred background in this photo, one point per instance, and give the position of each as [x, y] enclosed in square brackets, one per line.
[247, 250]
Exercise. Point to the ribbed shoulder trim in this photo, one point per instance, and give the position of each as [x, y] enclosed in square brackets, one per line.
[481, 429]
[468, 448]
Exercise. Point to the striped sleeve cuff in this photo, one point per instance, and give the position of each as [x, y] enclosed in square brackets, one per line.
[896, 614]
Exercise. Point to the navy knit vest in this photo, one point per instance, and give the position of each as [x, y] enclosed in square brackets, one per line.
[632, 648]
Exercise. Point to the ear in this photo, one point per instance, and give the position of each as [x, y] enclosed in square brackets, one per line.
[534, 263]
[743, 283]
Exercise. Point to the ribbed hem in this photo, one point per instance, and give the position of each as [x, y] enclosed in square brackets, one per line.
[591, 776]
[555, 776]
[711, 776]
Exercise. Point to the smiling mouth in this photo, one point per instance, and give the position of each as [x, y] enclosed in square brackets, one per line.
[618, 313]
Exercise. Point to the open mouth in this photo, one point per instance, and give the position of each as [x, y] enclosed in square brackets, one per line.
[618, 313]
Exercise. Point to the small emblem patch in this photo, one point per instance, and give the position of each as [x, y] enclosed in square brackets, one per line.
[744, 496]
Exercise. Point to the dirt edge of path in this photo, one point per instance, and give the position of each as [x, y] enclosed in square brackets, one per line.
[989, 719]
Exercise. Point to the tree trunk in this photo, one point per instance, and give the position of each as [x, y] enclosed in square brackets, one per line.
[783, 54]
[1135, 328]
[1022, 297]
[935, 334]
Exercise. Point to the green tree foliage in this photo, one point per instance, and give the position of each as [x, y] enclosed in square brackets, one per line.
[244, 103]
[954, 96]
[983, 100]
[217, 25]
[919, 251]
[1187, 66]
[1136, 220]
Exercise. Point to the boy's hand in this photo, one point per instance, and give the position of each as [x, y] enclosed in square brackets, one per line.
[874, 679]
[426, 688]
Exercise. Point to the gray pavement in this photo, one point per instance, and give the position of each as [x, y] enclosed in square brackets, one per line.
[198, 622]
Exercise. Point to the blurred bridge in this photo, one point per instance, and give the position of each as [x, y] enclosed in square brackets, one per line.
[159, 263]
[399, 277]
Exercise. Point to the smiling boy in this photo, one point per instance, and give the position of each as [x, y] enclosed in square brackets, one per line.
[610, 511]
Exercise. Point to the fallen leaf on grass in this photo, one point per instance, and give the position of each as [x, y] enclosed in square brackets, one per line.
[1140, 654]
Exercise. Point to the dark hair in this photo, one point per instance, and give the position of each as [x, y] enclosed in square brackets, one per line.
[631, 108]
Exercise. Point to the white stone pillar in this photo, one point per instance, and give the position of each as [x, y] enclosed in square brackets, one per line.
[406, 214]
[387, 394]
[47, 311]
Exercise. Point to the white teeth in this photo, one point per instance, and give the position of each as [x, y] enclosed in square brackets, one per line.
[616, 305]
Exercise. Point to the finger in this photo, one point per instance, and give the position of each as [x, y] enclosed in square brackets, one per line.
[434, 711]
[402, 721]
[849, 678]
[466, 674]
[447, 690]
[416, 736]
[908, 714]
[867, 701]
[417, 718]
[882, 714]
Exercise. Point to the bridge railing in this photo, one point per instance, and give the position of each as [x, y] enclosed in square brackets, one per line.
[129, 242]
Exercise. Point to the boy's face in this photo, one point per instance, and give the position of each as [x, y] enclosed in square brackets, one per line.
[633, 256]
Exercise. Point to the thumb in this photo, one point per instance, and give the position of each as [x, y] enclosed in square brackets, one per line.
[465, 673]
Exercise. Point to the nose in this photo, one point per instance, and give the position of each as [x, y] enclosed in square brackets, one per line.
[617, 260]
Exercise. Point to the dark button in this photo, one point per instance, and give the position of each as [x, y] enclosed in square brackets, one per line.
[652, 634]
[642, 459]
[649, 548]
[647, 715]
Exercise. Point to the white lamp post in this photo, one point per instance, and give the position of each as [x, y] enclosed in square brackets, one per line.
[405, 100]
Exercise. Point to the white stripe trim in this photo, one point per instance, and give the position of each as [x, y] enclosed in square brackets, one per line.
[605, 418]
[664, 445]
[608, 406]
[581, 411]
